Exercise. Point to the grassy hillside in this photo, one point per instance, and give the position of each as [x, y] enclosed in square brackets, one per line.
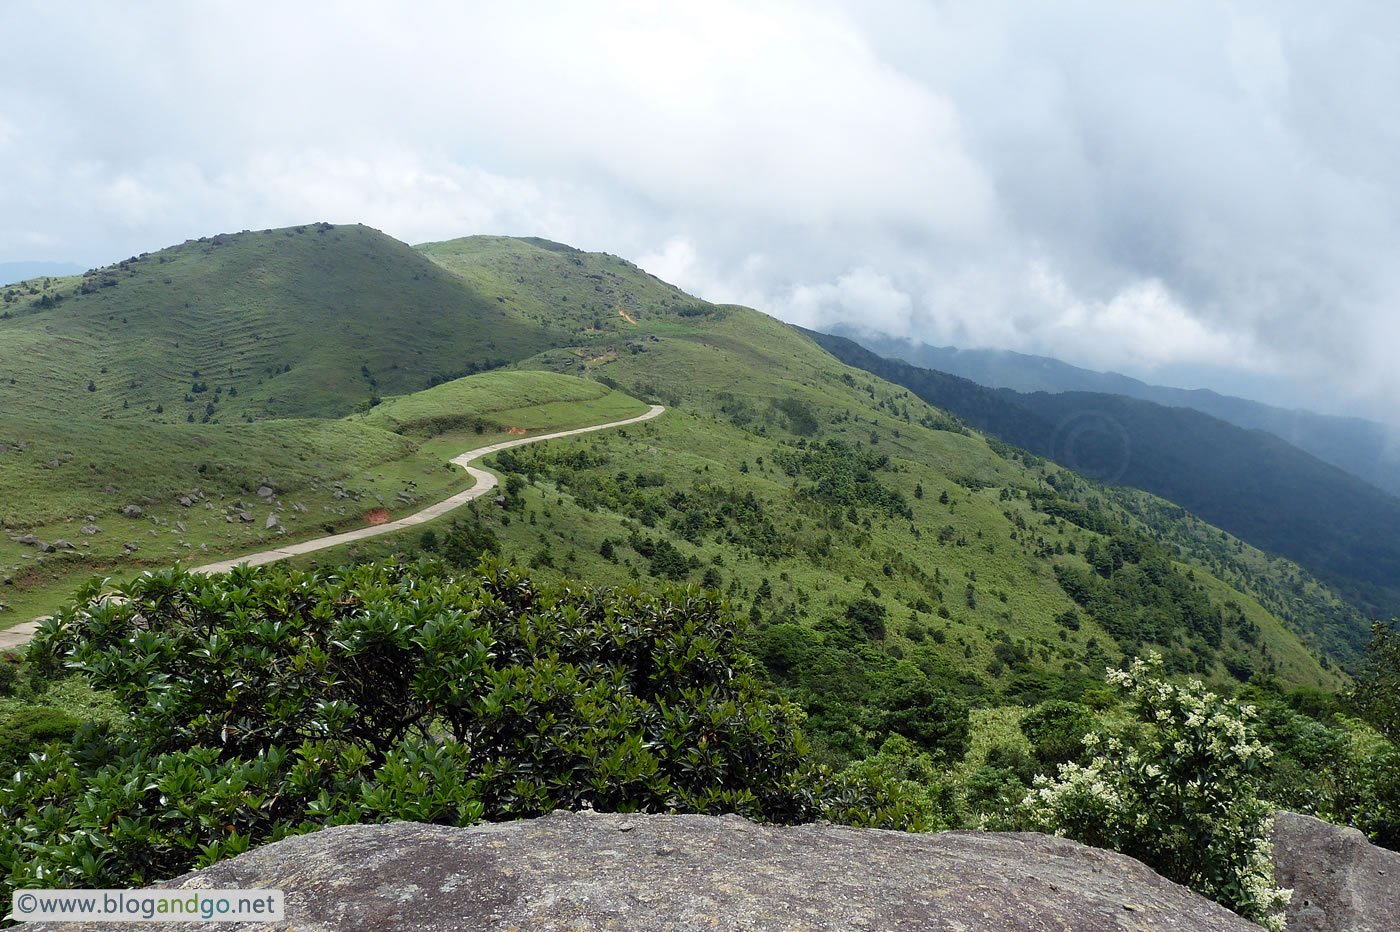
[197, 486]
[1247, 482]
[308, 321]
[865, 531]
[1363, 448]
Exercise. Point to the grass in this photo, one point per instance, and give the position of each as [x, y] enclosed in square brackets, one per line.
[741, 385]
[326, 475]
[303, 321]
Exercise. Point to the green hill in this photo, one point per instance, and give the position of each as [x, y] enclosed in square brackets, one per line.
[303, 322]
[871, 536]
[1248, 482]
[192, 490]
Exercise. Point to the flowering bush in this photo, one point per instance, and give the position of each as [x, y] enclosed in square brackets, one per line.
[1181, 796]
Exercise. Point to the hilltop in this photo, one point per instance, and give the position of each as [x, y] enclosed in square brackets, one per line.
[307, 321]
[811, 494]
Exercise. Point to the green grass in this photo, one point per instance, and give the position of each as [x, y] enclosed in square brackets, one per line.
[742, 386]
[305, 321]
[337, 470]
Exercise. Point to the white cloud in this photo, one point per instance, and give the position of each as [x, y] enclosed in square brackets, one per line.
[1196, 184]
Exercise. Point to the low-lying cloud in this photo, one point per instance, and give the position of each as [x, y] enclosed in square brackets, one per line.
[1197, 188]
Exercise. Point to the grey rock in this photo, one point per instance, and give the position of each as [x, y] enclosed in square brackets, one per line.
[130, 547]
[180, 526]
[271, 522]
[46, 548]
[28, 540]
[133, 511]
[264, 492]
[583, 871]
[90, 529]
[110, 489]
[245, 516]
[1340, 881]
[62, 544]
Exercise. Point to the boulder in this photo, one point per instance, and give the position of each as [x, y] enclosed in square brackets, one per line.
[651, 872]
[271, 522]
[62, 544]
[90, 529]
[28, 540]
[133, 511]
[1340, 881]
[264, 492]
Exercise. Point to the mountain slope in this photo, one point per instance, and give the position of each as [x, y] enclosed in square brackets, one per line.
[1363, 448]
[306, 321]
[1247, 482]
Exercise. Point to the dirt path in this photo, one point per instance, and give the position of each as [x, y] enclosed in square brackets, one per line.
[485, 482]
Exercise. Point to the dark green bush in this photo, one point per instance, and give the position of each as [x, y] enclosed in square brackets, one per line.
[31, 728]
[1056, 731]
[270, 701]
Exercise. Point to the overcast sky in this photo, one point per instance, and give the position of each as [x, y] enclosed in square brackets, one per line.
[1180, 191]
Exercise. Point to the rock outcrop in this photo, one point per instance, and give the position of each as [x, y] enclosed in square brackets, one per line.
[638, 872]
[1340, 881]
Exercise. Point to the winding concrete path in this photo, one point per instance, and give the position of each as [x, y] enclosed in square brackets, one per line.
[21, 633]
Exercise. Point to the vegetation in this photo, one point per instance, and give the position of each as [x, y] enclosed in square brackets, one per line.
[1247, 482]
[793, 543]
[1181, 795]
[270, 701]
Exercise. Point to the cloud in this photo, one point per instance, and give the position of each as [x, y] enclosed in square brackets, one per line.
[1147, 188]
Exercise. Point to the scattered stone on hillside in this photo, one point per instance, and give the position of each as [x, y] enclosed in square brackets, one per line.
[45, 548]
[1340, 881]
[133, 511]
[110, 489]
[130, 547]
[184, 501]
[271, 522]
[245, 516]
[62, 544]
[151, 533]
[28, 540]
[596, 871]
[180, 526]
[264, 492]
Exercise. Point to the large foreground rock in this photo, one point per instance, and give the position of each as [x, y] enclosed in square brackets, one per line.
[589, 871]
[1341, 882]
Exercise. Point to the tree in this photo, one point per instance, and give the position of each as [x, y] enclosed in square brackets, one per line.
[1377, 692]
[935, 721]
[869, 615]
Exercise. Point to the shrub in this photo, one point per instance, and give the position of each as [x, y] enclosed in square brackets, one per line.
[270, 701]
[33, 727]
[1056, 731]
[1182, 798]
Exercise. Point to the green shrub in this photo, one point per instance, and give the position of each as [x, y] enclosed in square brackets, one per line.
[31, 728]
[1182, 797]
[270, 701]
[1056, 731]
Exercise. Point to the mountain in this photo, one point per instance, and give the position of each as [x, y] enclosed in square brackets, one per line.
[16, 273]
[307, 321]
[876, 541]
[1247, 482]
[1363, 448]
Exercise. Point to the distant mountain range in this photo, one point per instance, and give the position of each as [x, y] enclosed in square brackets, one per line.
[11, 272]
[1361, 447]
[1246, 481]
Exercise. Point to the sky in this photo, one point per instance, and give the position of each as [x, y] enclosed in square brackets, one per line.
[1194, 193]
